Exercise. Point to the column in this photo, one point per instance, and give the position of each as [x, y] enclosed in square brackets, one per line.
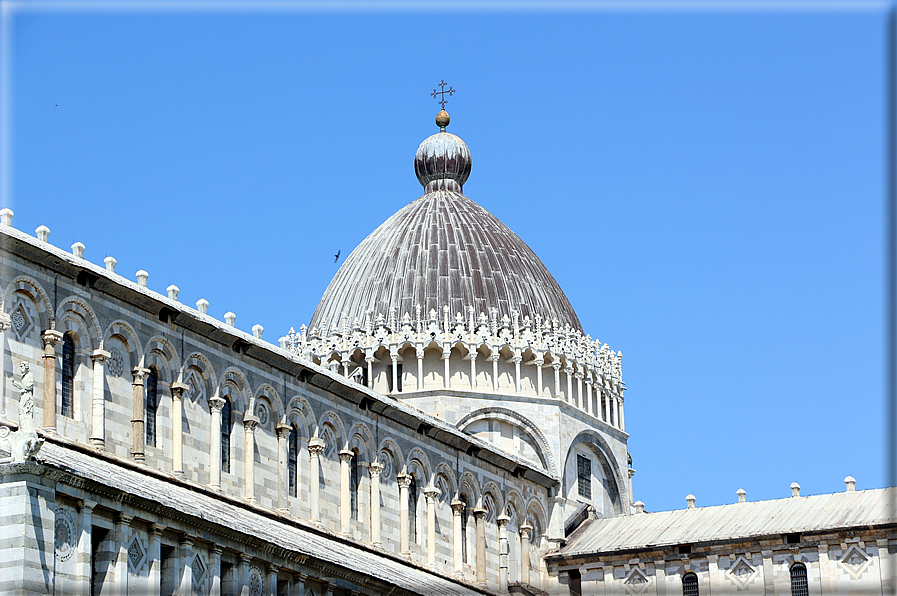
[430, 493]
[51, 337]
[447, 381]
[345, 498]
[215, 570]
[420, 369]
[556, 365]
[494, 358]
[375, 468]
[177, 427]
[404, 481]
[570, 399]
[589, 407]
[370, 362]
[249, 424]
[215, 405]
[186, 583]
[98, 410]
[457, 537]
[243, 582]
[631, 474]
[271, 580]
[395, 372]
[480, 516]
[138, 435]
[539, 362]
[473, 369]
[884, 564]
[315, 447]
[154, 555]
[85, 547]
[299, 584]
[122, 533]
[768, 573]
[556, 521]
[502, 521]
[525, 532]
[5, 325]
[283, 479]
[579, 396]
[622, 419]
[517, 360]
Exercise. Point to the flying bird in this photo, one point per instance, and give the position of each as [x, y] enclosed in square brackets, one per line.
[336, 256]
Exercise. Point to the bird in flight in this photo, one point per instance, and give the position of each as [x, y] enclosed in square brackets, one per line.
[336, 256]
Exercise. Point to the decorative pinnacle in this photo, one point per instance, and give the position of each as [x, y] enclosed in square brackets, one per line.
[442, 100]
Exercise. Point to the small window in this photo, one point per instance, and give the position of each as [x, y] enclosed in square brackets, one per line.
[68, 376]
[574, 582]
[292, 459]
[584, 476]
[412, 511]
[464, 518]
[225, 436]
[799, 585]
[353, 485]
[151, 405]
[690, 584]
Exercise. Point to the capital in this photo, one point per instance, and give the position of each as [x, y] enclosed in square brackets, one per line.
[178, 389]
[375, 468]
[526, 531]
[139, 373]
[51, 337]
[100, 355]
[250, 422]
[346, 456]
[556, 365]
[156, 529]
[124, 519]
[5, 321]
[502, 520]
[430, 493]
[315, 446]
[517, 359]
[458, 507]
[403, 480]
[216, 403]
[272, 568]
[86, 506]
[187, 539]
[282, 430]
[479, 512]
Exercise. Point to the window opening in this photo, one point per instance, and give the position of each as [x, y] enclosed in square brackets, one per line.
[151, 403]
[292, 459]
[68, 376]
[225, 436]
[412, 510]
[690, 584]
[584, 476]
[799, 585]
[353, 484]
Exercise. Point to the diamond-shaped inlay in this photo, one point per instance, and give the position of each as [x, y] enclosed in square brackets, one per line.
[21, 322]
[136, 554]
[199, 573]
[741, 573]
[636, 582]
[855, 561]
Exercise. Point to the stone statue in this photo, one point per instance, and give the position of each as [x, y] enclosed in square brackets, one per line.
[27, 440]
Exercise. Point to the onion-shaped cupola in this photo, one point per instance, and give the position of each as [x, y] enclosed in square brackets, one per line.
[443, 253]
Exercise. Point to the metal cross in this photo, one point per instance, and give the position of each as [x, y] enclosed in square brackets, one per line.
[442, 100]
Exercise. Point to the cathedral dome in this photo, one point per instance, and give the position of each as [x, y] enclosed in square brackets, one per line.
[442, 250]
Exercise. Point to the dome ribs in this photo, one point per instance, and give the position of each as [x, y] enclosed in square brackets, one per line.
[443, 250]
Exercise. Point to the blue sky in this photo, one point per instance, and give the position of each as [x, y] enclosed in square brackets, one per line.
[705, 182]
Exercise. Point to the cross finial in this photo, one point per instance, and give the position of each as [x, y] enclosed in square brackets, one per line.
[442, 100]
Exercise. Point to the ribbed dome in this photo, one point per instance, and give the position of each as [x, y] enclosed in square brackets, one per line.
[442, 249]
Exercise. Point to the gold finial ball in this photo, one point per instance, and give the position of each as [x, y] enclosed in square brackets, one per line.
[442, 119]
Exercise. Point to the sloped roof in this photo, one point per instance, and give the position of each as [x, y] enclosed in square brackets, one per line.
[442, 249]
[234, 516]
[735, 521]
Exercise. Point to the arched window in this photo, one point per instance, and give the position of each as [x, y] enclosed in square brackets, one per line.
[799, 580]
[292, 458]
[690, 584]
[353, 484]
[412, 510]
[225, 436]
[68, 376]
[464, 518]
[151, 405]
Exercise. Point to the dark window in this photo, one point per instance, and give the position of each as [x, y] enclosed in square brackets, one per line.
[685, 549]
[399, 378]
[412, 510]
[799, 580]
[574, 582]
[792, 538]
[151, 404]
[464, 518]
[353, 484]
[225, 436]
[689, 584]
[584, 476]
[292, 459]
[68, 376]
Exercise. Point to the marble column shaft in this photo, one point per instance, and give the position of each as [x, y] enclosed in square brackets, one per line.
[431, 493]
[457, 538]
[480, 516]
[404, 481]
[98, 401]
[177, 426]
[138, 413]
[315, 447]
[50, 337]
[215, 406]
[283, 471]
[502, 521]
[249, 424]
[374, 469]
[345, 497]
[525, 531]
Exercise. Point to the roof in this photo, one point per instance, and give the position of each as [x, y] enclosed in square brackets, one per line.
[735, 521]
[442, 250]
[231, 515]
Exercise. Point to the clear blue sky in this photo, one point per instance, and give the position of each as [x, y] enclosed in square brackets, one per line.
[705, 184]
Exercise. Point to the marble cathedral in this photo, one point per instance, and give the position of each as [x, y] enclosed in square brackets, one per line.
[443, 425]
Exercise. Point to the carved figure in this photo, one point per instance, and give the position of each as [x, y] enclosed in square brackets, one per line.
[27, 437]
